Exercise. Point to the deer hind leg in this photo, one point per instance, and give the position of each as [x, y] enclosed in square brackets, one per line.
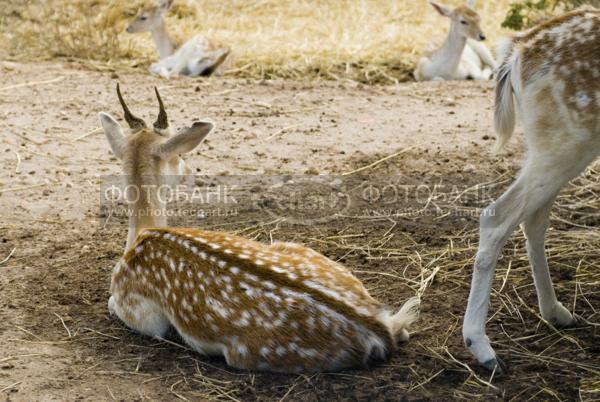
[140, 314]
[534, 229]
[497, 222]
[241, 357]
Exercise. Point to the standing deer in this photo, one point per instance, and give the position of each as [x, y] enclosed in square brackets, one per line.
[196, 57]
[552, 71]
[462, 56]
[280, 307]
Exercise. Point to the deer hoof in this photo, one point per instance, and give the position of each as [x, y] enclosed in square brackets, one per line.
[562, 318]
[496, 364]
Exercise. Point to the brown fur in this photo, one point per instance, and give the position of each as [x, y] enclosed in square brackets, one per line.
[570, 58]
[280, 307]
[336, 344]
[468, 13]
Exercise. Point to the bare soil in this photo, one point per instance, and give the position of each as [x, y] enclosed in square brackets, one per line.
[57, 341]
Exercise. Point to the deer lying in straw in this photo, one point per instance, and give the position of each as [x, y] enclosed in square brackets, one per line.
[462, 56]
[552, 71]
[280, 307]
[196, 57]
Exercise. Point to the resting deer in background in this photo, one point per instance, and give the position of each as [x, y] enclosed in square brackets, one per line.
[196, 57]
[462, 56]
[553, 72]
[280, 307]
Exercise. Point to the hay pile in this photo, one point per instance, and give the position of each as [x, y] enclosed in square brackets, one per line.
[365, 40]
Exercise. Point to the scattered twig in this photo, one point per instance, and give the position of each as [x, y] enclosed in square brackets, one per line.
[6, 190]
[8, 256]
[92, 132]
[64, 325]
[112, 396]
[18, 167]
[101, 333]
[225, 92]
[32, 83]
[362, 169]
[10, 386]
[9, 358]
[281, 131]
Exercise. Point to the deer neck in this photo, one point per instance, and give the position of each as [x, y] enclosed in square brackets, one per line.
[451, 51]
[147, 209]
[162, 40]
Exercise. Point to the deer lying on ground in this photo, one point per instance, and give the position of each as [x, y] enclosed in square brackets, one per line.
[462, 56]
[280, 307]
[196, 57]
[552, 72]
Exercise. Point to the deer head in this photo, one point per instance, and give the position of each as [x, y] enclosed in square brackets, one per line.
[149, 18]
[465, 20]
[151, 158]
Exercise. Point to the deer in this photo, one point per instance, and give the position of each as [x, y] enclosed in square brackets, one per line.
[549, 74]
[462, 56]
[199, 56]
[281, 307]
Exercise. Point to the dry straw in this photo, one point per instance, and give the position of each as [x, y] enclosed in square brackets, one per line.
[365, 40]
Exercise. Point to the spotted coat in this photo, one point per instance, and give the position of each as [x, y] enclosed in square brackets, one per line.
[280, 308]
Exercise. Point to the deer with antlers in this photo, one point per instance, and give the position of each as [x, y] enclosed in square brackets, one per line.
[199, 56]
[550, 74]
[462, 56]
[280, 307]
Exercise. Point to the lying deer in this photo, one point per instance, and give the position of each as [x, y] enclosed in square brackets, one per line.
[280, 307]
[462, 56]
[196, 57]
[552, 72]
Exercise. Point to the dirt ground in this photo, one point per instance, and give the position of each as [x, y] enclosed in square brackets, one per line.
[57, 341]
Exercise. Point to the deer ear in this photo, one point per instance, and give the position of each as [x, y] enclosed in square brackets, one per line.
[185, 140]
[114, 134]
[442, 9]
[166, 4]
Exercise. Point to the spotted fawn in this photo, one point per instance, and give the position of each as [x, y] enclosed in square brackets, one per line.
[551, 75]
[281, 307]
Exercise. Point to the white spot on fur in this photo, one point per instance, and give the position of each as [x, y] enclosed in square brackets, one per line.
[277, 269]
[251, 277]
[582, 99]
[242, 349]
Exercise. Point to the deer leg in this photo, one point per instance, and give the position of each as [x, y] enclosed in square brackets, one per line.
[534, 191]
[497, 222]
[469, 70]
[140, 314]
[487, 73]
[534, 229]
